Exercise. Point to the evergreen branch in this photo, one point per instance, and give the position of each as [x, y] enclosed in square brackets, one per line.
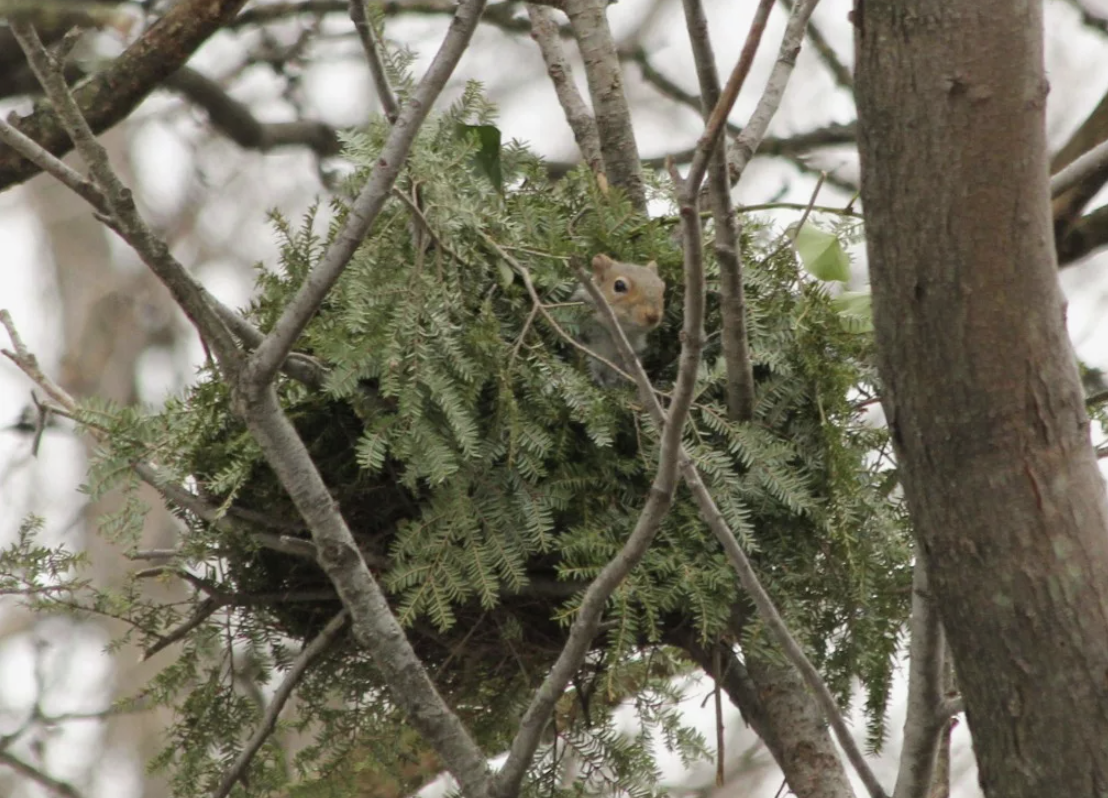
[271, 353]
[374, 625]
[537, 304]
[309, 654]
[546, 33]
[587, 622]
[736, 348]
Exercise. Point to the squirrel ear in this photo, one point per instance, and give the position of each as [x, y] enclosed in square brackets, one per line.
[653, 266]
[601, 264]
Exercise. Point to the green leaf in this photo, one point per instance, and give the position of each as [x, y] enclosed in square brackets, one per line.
[855, 309]
[822, 254]
[487, 157]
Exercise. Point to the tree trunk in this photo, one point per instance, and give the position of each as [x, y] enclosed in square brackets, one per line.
[981, 387]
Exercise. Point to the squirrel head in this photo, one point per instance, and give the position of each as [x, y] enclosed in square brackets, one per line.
[636, 293]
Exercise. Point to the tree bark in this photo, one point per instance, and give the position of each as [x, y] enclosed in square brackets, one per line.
[801, 741]
[981, 386]
[589, 21]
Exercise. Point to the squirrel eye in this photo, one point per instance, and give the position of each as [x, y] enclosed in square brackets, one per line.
[620, 286]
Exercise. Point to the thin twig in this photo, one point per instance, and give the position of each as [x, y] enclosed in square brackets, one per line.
[28, 364]
[1092, 163]
[55, 167]
[713, 129]
[540, 306]
[797, 206]
[204, 610]
[750, 139]
[359, 15]
[923, 725]
[826, 52]
[736, 349]
[31, 772]
[120, 204]
[300, 665]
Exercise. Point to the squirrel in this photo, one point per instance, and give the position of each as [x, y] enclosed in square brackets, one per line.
[637, 296]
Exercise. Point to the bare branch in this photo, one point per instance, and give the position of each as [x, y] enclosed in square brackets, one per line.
[546, 33]
[55, 167]
[825, 51]
[736, 351]
[923, 724]
[109, 96]
[263, 364]
[27, 770]
[237, 122]
[122, 213]
[309, 654]
[360, 17]
[620, 153]
[1093, 165]
[1087, 234]
[722, 108]
[749, 140]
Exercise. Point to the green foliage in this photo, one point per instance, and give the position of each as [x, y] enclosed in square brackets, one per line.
[487, 479]
[822, 254]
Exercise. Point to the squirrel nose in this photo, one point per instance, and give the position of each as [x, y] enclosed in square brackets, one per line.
[651, 317]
